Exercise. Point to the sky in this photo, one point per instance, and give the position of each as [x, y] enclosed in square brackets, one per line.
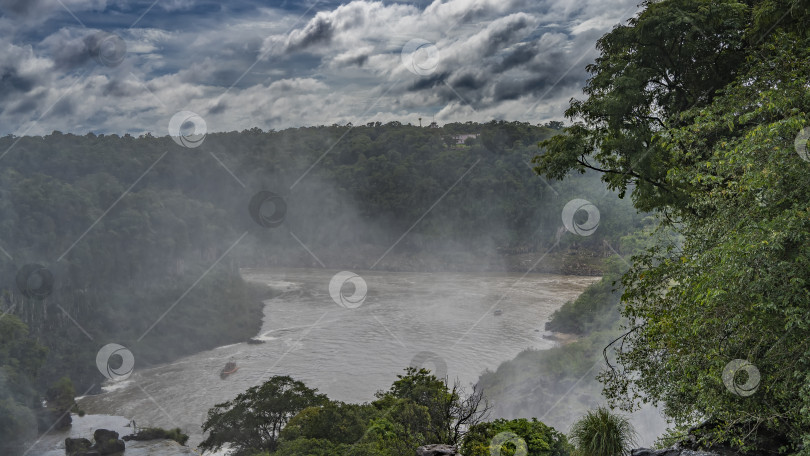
[109, 66]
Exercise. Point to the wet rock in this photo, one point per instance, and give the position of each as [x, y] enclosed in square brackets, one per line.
[698, 453]
[158, 447]
[73, 447]
[105, 434]
[158, 433]
[110, 447]
[107, 442]
[437, 450]
[663, 452]
[677, 451]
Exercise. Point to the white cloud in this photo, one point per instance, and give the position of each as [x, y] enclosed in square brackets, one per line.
[509, 59]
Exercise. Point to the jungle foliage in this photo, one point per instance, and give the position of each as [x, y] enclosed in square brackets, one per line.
[697, 108]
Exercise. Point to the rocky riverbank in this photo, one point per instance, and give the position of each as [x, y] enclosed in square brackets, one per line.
[153, 441]
[93, 435]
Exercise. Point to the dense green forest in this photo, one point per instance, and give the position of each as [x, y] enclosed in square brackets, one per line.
[138, 241]
[698, 110]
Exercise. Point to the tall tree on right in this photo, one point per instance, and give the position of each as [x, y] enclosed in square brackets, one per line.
[697, 108]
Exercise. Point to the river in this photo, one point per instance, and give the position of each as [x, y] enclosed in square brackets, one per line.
[442, 321]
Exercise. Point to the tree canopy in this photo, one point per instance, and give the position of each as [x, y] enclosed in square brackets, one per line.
[697, 108]
[515, 437]
[254, 419]
[284, 417]
[21, 357]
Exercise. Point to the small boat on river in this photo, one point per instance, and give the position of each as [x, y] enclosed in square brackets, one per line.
[230, 368]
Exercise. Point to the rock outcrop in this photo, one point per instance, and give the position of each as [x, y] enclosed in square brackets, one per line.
[75, 447]
[157, 434]
[437, 450]
[106, 442]
[671, 452]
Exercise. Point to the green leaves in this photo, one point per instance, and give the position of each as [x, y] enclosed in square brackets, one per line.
[671, 58]
[728, 99]
[746, 237]
[254, 419]
[506, 436]
[285, 417]
[20, 360]
[601, 432]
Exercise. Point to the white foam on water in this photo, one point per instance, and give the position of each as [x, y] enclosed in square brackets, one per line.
[115, 386]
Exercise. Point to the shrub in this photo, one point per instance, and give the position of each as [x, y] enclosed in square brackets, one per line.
[603, 433]
[534, 437]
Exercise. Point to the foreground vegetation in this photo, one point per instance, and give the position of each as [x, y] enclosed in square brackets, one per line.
[602, 433]
[285, 417]
[697, 109]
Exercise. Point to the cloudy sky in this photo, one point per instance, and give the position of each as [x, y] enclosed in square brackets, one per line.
[110, 66]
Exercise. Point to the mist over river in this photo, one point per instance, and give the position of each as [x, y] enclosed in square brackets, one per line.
[350, 353]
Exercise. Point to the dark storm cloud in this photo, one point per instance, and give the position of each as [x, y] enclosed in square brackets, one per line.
[20, 82]
[26, 105]
[74, 53]
[218, 108]
[63, 107]
[429, 82]
[513, 88]
[275, 64]
[503, 36]
[11, 81]
[21, 8]
[468, 81]
[120, 88]
[521, 54]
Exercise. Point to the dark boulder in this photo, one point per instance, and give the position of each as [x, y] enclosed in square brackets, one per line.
[175, 434]
[104, 434]
[110, 446]
[436, 450]
[107, 442]
[75, 447]
[675, 451]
